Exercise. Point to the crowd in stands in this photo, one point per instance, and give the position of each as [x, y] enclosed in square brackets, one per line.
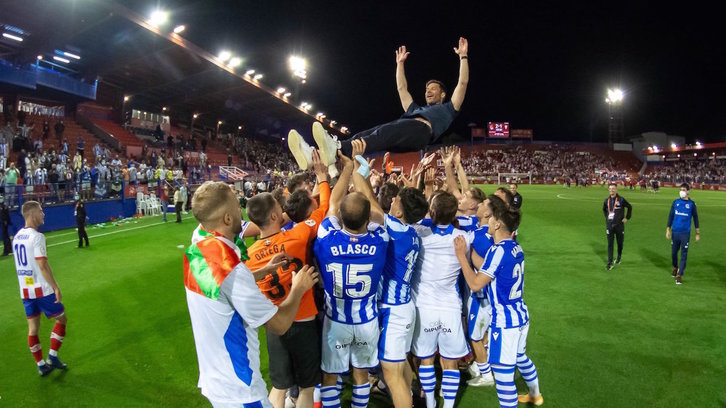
[698, 170]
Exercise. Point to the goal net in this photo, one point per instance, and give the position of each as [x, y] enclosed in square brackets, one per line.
[519, 178]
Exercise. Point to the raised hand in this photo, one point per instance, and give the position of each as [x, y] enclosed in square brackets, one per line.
[320, 170]
[401, 54]
[359, 147]
[463, 49]
[460, 247]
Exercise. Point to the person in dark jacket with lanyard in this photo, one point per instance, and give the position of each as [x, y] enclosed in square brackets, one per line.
[80, 214]
[679, 228]
[615, 218]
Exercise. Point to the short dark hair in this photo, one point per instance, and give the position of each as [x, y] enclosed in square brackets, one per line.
[385, 196]
[297, 205]
[444, 207]
[514, 184]
[279, 195]
[355, 211]
[296, 181]
[259, 208]
[508, 194]
[477, 194]
[413, 204]
[509, 216]
[612, 183]
[436, 81]
[686, 186]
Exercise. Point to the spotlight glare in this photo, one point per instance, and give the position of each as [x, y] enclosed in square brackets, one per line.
[74, 56]
[281, 90]
[180, 28]
[249, 72]
[13, 37]
[258, 77]
[287, 95]
[674, 146]
[235, 62]
[224, 56]
[40, 57]
[158, 17]
[57, 58]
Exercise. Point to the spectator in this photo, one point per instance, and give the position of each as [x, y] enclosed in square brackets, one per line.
[178, 203]
[60, 127]
[80, 214]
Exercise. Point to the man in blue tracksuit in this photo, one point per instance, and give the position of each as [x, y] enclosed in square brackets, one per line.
[679, 227]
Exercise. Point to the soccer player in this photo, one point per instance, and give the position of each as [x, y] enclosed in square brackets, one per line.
[615, 218]
[397, 313]
[38, 287]
[435, 294]
[417, 128]
[516, 197]
[478, 305]
[294, 356]
[226, 307]
[503, 271]
[351, 253]
[683, 210]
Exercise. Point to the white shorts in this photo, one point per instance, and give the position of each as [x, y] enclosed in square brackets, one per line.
[396, 323]
[479, 317]
[263, 403]
[439, 330]
[505, 344]
[349, 344]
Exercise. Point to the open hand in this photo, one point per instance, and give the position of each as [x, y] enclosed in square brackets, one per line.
[317, 165]
[401, 54]
[460, 246]
[463, 48]
[305, 278]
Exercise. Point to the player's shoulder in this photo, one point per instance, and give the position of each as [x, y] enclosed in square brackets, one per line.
[393, 225]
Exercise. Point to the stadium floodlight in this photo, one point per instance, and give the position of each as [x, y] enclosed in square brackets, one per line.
[235, 62]
[126, 98]
[158, 18]
[163, 109]
[224, 56]
[655, 149]
[196, 115]
[239, 127]
[219, 122]
[698, 144]
[298, 66]
[674, 146]
[13, 37]
[258, 77]
[249, 72]
[281, 90]
[179, 29]
[74, 56]
[614, 96]
[287, 94]
[61, 59]
[40, 57]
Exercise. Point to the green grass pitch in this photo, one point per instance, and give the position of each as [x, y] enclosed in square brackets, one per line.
[622, 338]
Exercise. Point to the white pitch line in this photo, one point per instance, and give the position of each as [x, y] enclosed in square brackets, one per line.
[562, 197]
[108, 233]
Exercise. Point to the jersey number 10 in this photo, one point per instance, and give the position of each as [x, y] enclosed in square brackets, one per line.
[355, 281]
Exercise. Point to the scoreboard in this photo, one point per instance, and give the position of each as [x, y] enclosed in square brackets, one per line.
[499, 129]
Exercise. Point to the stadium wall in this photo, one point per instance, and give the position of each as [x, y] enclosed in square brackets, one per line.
[61, 216]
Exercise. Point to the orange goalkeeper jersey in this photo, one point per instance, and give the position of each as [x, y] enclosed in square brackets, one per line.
[297, 243]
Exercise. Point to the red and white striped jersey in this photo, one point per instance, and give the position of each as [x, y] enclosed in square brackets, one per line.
[28, 247]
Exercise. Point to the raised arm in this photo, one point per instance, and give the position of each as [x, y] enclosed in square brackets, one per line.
[460, 172]
[363, 186]
[401, 83]
[457, 98]
[447, 155]
[341, 186]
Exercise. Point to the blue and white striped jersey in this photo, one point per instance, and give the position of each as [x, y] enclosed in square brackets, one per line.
[351, 266]
[468, 222]
[401, 256]
[482, 242]
[504, 263]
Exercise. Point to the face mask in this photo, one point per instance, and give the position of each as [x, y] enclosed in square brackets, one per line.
[683, 194]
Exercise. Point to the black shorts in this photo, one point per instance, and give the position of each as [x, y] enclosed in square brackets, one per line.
[295, 356]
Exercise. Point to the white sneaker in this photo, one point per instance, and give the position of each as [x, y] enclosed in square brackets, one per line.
[332, 171]
[289, 403]
[486, 380]
[327, 145]
[474, 369]
[301, 151]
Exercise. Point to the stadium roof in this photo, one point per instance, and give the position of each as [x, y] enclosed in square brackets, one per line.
[154, 66]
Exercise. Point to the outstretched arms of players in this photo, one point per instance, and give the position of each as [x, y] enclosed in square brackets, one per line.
[401, 83]
[341, 187]
[457, 98]
[363, 186]
[476, 281]
[302, 281]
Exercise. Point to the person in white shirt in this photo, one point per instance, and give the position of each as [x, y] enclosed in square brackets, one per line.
[38, 288]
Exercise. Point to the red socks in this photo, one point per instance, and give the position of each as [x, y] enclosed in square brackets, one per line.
[56, 338]
[35, 348]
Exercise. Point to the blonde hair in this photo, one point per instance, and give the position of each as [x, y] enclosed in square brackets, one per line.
[29, 207]
[209, 202]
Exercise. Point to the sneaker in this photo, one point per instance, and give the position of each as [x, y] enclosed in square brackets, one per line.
[675, 271]
[474, 370]
[617, 261]
[485, 380]
[332, 171]
[44, 369]
[678, 279]
[289, 403]
[55, 362]
[528, 399]
[610, 266]
[301, 151]
[327, 145]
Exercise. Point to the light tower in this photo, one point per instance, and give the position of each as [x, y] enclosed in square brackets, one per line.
[615, 116]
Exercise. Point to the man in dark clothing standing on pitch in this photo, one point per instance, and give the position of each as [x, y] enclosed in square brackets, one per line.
[80, 213]
[418, 127]
[516, 197]
[615, 218]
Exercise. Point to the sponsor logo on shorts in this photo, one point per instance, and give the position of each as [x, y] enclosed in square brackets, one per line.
[437, 327]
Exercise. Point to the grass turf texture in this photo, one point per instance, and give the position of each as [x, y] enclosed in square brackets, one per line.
[626, 337]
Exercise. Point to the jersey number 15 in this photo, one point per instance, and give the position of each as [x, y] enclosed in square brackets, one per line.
[351, 278]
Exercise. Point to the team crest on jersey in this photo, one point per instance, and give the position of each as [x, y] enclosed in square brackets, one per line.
[353, 239]
[310, 223]
[688, 206]
[268, 242]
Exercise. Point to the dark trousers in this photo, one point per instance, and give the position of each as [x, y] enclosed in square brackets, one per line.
[82, 234]
[178, 209]
[615, 231]
[7, 244]
[399, 136]
[680, 242]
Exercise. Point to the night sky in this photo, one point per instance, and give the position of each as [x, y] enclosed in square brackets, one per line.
[541, 66]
